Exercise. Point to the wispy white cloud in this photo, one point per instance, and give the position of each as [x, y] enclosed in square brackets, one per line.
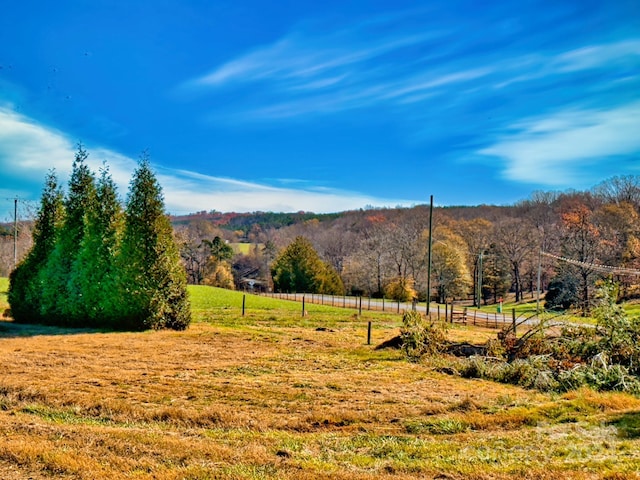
[185, 193]
[29, 149]
[594, 56]
[535, 66]
[305, 58]
[553, 150]
[309, 71]
[22, 143]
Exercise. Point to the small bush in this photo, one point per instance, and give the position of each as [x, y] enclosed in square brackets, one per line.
[420, 338]
[477, 367]
[523, 372]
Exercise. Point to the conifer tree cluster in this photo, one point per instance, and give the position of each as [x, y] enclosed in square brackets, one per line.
[94, 264]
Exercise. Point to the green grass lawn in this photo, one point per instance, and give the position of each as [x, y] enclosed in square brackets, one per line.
[244, 248]
[213, 305]
[275, 395]
[4, 286]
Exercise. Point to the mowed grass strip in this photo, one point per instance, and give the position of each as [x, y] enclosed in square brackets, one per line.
[274, 395]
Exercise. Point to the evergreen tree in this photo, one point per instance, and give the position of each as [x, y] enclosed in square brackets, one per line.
[94, 274]
[152, 279]
[25, 289]
[299, 269]
[562, 293]
[59, 305]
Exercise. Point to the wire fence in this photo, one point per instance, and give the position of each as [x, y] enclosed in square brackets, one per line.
[445, 312]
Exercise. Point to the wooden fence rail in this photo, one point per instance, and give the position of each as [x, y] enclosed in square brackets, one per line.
[452, 314]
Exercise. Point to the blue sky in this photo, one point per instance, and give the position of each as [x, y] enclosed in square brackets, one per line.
[323, 106]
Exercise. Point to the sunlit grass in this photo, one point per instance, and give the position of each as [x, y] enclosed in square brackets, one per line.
[275, 395]
[4, 286]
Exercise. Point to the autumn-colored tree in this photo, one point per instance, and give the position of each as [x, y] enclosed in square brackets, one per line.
[619, 225]
[496, 275]
[449, 265]
[516, 240]
[195, 253]
[369, 267]
[477, 235]
[581, 244]
[217, 269]
[401, 290]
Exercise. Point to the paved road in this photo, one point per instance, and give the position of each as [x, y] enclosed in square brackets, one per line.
[376, 304]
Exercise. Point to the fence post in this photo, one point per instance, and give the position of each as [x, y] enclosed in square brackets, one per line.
[369, 333]
[244, 298]
[383, 304]
[303, 305]
[513, 315]
[360, 309]
[438, 312]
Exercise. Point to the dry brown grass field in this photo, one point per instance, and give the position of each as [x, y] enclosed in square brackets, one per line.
[274, 396]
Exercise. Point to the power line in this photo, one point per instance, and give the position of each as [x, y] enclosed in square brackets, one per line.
[595, 266]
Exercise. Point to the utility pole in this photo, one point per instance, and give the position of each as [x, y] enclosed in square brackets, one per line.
[538, 283]
[15, 232]
[429, 256]
[479, 280]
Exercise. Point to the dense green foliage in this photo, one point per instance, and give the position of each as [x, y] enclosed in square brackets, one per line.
[562, 293]
[152, 278]
[299, 269]
[94, 273]
[421, 338]
[26, 281]
[606, 357]
[90, 265]
[59, 270]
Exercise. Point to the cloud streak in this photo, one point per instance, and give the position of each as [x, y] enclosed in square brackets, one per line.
[551, 150]
[356, 67]
[28, 149]
[561, 106]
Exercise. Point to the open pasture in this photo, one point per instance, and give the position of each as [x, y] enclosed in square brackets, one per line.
[272, 395]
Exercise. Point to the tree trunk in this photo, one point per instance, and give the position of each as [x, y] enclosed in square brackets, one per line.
[516, 279]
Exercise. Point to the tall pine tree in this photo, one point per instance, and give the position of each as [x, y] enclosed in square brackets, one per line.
[94, 274]
[25, 287]
[152, 279]
[60, 306]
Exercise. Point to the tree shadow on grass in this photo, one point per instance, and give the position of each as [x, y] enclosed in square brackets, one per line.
[11, 329]
[628, 425]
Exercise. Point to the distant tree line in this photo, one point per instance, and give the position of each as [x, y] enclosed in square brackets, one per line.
[479, 253]
[94, 263]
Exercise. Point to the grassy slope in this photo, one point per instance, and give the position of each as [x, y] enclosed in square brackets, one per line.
[269, 395]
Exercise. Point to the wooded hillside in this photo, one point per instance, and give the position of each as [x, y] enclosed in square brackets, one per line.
[481, 252]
